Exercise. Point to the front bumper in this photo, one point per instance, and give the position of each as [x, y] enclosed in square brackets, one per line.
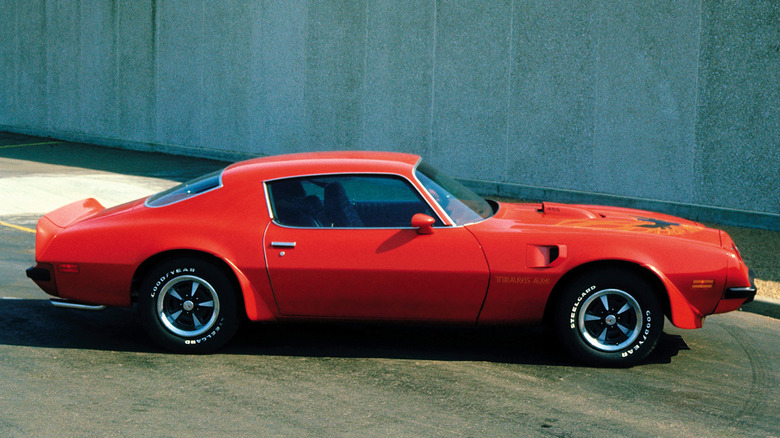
[746, 293]
[735, 297]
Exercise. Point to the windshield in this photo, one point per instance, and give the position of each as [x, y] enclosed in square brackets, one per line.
[187, 190]
[461, 204]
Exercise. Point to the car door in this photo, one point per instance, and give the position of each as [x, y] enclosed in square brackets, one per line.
[355, 254]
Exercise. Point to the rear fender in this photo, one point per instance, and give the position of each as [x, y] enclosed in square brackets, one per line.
[256, 309]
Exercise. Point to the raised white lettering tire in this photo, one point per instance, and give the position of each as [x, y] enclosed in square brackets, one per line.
[188, 305]
[608, 317]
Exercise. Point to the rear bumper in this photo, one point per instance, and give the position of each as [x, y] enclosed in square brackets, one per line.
[43, 275]
[37, 274]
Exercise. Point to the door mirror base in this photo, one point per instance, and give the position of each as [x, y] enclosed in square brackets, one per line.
[423, 223]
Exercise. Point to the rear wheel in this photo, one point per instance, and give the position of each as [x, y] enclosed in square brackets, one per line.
[188, 305]
[609, 318]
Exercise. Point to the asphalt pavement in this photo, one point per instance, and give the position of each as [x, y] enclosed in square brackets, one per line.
[76, 373]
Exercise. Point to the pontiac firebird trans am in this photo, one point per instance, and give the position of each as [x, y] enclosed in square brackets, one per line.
[384, 236]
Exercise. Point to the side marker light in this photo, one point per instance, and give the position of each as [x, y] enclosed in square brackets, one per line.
[703, 284]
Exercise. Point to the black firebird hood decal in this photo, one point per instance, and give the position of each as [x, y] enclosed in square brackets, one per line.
[657, 223]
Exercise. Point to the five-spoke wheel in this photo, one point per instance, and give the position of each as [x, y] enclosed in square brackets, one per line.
[608, 317]
[188, 305]
[610, 320]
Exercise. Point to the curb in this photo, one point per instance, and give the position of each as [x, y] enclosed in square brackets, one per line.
[766, 306]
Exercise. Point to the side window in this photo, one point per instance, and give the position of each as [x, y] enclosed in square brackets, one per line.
[346, 201]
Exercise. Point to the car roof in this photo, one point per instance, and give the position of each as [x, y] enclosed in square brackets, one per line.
[279, 166]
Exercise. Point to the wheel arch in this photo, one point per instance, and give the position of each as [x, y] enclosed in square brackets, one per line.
[144, 268]
[646, 274]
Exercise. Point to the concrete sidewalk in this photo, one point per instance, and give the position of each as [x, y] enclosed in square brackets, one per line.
[38, 175]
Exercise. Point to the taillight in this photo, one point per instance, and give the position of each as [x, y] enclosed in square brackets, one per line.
[68, 268]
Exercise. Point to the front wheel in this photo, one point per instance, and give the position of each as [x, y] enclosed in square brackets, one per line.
[188, 305]
[608, 318]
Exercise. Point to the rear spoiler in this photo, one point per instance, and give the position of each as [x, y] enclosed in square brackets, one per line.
[61, 218]
[68, 215]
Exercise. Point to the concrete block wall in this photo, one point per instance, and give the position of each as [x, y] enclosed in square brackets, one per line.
[672, 105]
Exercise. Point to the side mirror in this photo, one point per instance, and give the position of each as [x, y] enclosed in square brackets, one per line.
[423, 223]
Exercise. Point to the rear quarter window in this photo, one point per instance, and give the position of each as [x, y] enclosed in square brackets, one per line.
[187, 190]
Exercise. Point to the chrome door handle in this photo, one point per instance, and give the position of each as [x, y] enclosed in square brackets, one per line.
[283, 244]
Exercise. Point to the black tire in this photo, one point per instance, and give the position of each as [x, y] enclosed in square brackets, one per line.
[188, 305]
[608, 318]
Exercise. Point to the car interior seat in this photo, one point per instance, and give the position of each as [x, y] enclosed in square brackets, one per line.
[291, 205]
[338, 208]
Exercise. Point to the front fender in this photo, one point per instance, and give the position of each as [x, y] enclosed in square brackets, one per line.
[682, 313]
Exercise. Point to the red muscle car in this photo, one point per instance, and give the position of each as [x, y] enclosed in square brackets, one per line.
[385, 236]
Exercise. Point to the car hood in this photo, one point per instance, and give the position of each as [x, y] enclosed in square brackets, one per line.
[602, 218]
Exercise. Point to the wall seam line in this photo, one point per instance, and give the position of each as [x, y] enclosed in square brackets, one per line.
[433, 77]
[509, 88]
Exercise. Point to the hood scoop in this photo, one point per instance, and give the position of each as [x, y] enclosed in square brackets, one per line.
[553, 209]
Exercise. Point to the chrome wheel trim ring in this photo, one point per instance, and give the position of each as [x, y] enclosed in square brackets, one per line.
[610, 320]
[188, 311]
